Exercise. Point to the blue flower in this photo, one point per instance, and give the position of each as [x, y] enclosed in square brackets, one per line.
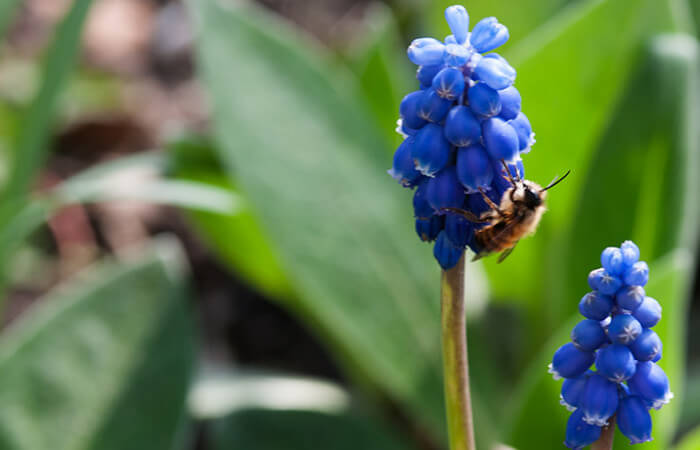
[627, 381]
[463, 120]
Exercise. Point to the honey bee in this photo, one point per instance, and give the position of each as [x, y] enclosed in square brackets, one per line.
[517, 216]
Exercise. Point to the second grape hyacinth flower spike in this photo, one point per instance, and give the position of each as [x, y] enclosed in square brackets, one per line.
[616, 334]
[464, 119]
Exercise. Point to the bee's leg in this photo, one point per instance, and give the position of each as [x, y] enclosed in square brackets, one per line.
[491, 203]
[508, 176]
[470, 216]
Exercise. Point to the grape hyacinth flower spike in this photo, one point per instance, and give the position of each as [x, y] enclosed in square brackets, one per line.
[464, 119]
[616, 335]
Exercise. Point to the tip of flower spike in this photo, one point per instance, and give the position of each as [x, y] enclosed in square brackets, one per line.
[555, 374]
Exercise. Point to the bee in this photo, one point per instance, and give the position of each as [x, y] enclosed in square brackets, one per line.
[517, 216]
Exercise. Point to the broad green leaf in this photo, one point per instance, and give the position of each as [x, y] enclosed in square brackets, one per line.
[571, 73]
[302, 430]
[641, 183]
[312, 166]
[103, 362]
[32, 142]
[537, 396]
[235, 238]
[691, 441]
[384, 73]
[7, 12]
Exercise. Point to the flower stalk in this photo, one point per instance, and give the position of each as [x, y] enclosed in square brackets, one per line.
[455, 364]
[605, 442]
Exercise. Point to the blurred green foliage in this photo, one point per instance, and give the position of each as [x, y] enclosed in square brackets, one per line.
[290, 191]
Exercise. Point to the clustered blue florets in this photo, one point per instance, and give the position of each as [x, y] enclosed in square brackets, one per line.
[457, 127]
[616, 335]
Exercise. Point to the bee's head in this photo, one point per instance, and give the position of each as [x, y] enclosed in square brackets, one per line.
[529, 193]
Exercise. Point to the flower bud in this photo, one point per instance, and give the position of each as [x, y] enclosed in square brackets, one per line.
[630, 253]
[408, 109]
[488, 34]
[421, 207]
[483, 100]
[431, 151]
[449, 83]
[651, 383]
[624, 329]
[571, 391]
[425, 74]
[500, 139]
[474, 168]
[403, 169]
[432, 107]
[634, 420]
[458, 229]
[637, 274]
[495, 71]
[510, 102]
[599, 400]
[616, 363]
[570, 362]
[630, 298]
[580, 434]
[426, 51]
[446, 253]
[588, 335]
[603, 281]
[595, 305]
[612, 261]
[647, 346]
[458, 21]
[461, 127]
[445, 191]
[526, 138]
[649, 312]
[456, 55]
[428, 229]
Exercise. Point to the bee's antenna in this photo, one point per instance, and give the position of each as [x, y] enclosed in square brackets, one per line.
[556, 181]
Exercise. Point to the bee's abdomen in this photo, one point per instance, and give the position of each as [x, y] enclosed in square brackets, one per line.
[492, 238]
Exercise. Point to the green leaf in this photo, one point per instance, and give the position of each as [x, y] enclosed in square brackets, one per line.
[102, 363]
[649, 154]
[7, 12]
[384, 73]
[302, 430]
[32, 143]
[691, 441]
[571, 74]
[537, 396]
[312, 166]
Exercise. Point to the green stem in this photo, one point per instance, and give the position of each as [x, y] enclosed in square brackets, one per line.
[605, 442]
[460, 425]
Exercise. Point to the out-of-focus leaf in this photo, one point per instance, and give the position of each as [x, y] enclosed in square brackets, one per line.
[235, 238]
[381, 66]
[571, 74]
[220, 391]
[691, 441]
[642, 183]
[313, 168]
[302, 430]
[31, 147]
[537, 396]
[7, 12]
[103, 363]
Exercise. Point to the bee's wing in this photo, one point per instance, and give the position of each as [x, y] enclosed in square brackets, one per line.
[505, 253]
